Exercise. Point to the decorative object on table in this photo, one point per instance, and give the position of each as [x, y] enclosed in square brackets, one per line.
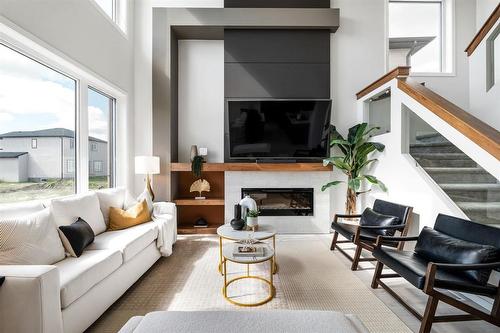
[237, 223]
[249, 251]
[355, 152]
[201, 185]
[147, 165]
[252, 220]
[247, 203]
[197, 166]
[194, 152]
[201, 223]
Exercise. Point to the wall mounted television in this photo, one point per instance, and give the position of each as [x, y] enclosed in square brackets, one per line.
[277, 130]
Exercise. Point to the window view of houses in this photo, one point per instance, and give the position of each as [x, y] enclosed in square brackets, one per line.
[38, 143]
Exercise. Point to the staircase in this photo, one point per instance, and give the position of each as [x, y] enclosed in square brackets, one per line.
[473, 189]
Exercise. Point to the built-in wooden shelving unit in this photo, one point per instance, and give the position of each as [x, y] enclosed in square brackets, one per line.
[211, 167]
[212, 208]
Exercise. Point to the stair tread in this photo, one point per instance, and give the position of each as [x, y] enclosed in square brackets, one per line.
[479, 205]
[431, 144]
[442, 156]
[465, 186]
[456, 169]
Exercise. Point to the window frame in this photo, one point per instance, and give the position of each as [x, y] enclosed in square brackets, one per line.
[448, 37]
[111, 151]
[119, 15]
[32, 47]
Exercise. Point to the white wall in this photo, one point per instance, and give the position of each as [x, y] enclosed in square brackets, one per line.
[484, 8]
[143, 63]
[201, 98]
[484, 104]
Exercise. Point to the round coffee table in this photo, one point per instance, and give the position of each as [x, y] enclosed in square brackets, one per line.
[264, 232]
[228, 255]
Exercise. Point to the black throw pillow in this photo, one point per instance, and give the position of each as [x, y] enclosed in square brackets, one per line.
[438, 247]
[372, 218]
[76, 237]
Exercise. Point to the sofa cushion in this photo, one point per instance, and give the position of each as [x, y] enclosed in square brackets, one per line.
[110, 197]
[372, 218]
[122, 219]
[128, 241]
[438, 247]
[78, 275]
[76, 237]
[30, 240]
[67, 210]
[20, 209]
[413, 268]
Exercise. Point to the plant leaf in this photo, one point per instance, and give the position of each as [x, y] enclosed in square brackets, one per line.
[375, 181]
[336, 182]
[354, 183]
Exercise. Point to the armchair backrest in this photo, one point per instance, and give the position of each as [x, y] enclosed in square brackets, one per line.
[390, 208]
[468, 230]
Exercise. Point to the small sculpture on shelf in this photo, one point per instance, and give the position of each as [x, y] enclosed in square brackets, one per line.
[201, 185]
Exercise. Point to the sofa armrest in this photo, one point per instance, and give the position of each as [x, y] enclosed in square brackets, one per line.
[30, 299]
[160, 208]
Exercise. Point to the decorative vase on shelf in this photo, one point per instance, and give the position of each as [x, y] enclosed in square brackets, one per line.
[253, 223]
[194, 152]
[237, 223]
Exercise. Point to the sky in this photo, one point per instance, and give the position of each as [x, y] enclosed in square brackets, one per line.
[35, 97]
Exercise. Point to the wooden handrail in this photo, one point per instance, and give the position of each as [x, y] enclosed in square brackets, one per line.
[396, 72]
[490, 22]
[481, 133]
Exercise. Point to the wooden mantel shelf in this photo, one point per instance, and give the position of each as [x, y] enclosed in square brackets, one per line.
[221, 167]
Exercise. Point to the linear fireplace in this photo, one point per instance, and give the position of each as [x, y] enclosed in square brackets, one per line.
[282, 201]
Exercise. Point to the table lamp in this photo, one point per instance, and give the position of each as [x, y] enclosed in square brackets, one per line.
[147, 165]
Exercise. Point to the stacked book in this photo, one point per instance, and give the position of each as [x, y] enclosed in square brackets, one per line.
[243, 251]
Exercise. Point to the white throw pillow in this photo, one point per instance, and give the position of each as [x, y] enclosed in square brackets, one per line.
[66, 211]
[20, 209]
[110, 197]
[30, 240]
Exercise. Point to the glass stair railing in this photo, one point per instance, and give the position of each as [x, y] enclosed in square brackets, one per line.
[473, 189]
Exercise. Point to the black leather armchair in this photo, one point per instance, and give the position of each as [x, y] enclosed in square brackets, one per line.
[456, 255]
[384, 219]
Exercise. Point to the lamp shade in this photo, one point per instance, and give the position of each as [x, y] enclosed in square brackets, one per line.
[147, 165]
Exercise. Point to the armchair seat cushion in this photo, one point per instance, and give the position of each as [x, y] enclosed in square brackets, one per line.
[349, 230]
[413, 268]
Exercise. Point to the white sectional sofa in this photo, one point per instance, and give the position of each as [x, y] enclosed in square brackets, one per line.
[69, 295]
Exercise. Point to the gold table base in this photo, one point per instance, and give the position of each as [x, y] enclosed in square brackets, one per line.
[272, 289]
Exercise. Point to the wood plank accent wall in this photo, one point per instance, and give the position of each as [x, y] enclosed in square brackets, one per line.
[481, 133]
[487, 26]
[396, 72]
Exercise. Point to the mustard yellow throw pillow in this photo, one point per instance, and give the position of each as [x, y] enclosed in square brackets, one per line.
[122, 219]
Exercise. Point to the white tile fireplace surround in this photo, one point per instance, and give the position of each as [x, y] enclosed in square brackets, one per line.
[318, 223]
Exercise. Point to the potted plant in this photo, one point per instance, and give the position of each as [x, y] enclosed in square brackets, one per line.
[354, 160]
[196, 166]
[252, 219]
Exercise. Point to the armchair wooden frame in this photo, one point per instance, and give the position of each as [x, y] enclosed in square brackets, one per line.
[364, 244]
[435, 295]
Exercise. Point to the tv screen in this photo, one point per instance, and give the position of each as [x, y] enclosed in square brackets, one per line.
[278, 129]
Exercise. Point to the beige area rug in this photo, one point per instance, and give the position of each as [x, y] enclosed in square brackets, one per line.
[310, 277]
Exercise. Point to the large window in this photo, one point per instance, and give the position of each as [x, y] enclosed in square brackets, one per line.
[420, 35]
[101, 144]
[37, 122]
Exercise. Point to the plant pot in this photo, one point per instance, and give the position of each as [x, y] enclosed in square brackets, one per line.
[252, 222]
